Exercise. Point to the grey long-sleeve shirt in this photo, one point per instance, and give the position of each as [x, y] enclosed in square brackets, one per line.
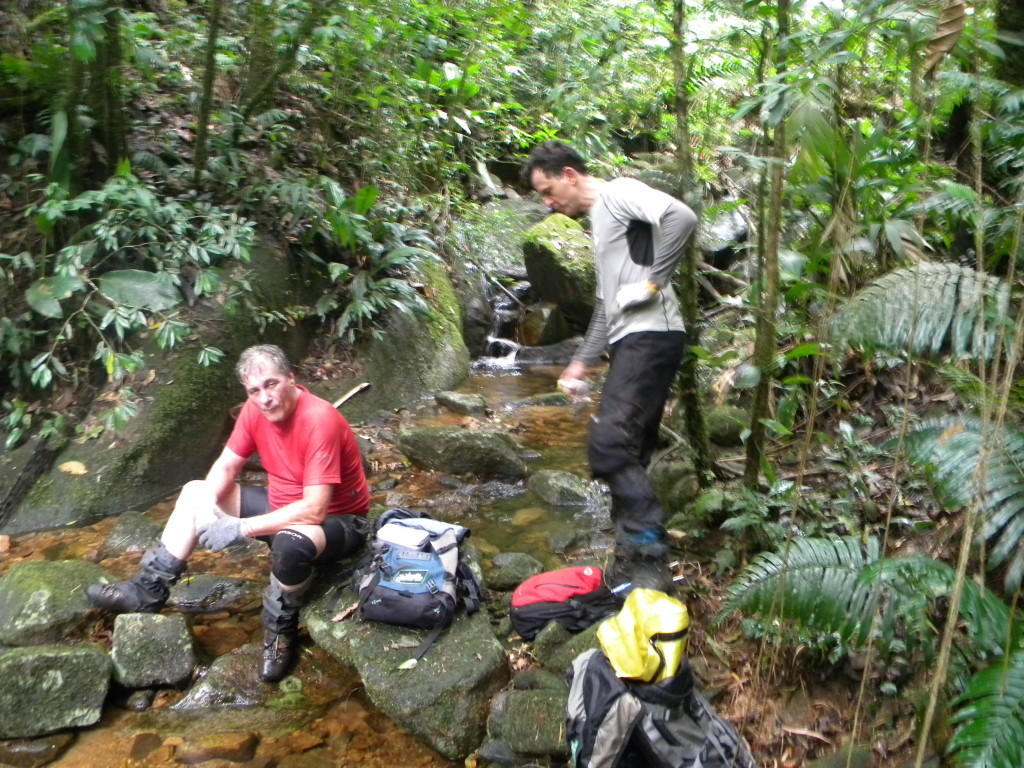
[638, 234]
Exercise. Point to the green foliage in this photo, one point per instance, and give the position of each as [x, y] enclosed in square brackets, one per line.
[928, 309]
[972, 464]
[843, 589]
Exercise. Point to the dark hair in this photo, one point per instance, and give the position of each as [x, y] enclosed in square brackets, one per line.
[261, 356]
[551, 157]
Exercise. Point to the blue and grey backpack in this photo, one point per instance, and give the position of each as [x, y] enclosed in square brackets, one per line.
[413, 575]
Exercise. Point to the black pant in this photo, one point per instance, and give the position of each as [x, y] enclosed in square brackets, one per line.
[624, 431]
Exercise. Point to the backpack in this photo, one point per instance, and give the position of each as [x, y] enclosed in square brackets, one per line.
[412, 575]
[574, 597]
[617, 723]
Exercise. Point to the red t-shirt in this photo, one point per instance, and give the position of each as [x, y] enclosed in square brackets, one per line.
[314, 446]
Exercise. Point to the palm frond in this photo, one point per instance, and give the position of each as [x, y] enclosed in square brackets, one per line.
[989, 717]
[951, 449]
[927, 309]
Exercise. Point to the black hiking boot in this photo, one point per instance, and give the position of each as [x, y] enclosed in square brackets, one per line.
[144, 592]
[644, 566]
[281, 628]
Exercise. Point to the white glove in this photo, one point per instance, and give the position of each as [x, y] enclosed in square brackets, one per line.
[222, 533]
[576, 389]
[633, 295]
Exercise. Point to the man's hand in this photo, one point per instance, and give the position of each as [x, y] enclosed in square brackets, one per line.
[633, 295]
[224, 531]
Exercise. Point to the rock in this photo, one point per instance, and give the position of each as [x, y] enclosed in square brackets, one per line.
[675, 483]
[553, 354]
[555, 647]
[236, 747]
[726, 424]
[45, 602]
[444, 699]
[510, 569]
[544, 324]
[560, 267]
[210, 593]
[545, 399]
[233, 681]
[462, 451]
[133, 532]
[152, 650]
[558, 487]
[564, 541]
[536, 678]
[530, 722]
[32, 753]
[48, 688]
[467, 405]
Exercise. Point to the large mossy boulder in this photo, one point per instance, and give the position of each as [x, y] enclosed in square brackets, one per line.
[181, 422]
[560, 266]
[48, 688]
[458, 451]
[44, 602]
[444, 698]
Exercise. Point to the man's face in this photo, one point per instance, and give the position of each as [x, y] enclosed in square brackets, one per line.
[276, 394]
[560, 193]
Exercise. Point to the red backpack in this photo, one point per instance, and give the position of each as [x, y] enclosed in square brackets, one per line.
[574, 597]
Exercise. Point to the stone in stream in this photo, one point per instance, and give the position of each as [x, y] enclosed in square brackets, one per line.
[466, 405]
[152, 650]
[479, 452]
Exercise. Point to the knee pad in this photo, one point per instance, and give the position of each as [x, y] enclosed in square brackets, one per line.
[291, 557]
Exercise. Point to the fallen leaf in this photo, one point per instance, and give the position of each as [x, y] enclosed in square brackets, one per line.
[73, 468]
[346, 613]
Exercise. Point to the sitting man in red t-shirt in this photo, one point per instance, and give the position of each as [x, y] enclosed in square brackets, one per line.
[314, 509]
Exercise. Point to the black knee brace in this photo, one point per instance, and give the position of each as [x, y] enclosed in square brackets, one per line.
[291, 557]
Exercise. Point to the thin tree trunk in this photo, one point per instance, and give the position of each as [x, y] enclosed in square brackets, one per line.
[206, 104]
[106, 96]
[689, 390]
[764, 343]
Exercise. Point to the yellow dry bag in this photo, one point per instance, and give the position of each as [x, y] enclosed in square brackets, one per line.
[646, 639]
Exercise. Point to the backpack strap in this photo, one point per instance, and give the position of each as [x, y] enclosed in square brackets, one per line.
[466, 583]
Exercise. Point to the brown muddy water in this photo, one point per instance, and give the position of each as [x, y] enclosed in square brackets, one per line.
[335, 726]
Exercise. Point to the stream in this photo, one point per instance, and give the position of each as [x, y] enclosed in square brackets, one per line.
[344, 729]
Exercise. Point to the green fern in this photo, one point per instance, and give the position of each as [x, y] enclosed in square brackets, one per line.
[951, 448]
[927, 309]
[989, 717]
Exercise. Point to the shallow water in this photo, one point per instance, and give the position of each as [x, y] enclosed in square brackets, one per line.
[335, 726]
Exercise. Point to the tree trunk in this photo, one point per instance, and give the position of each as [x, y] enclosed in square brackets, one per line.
[1010, 21]
[106, 97]
[206, 104]
[764, 343]
[689, 390]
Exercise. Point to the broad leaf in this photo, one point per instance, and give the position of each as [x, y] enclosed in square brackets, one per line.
[45, 295]
[140, 289]
[952, 22]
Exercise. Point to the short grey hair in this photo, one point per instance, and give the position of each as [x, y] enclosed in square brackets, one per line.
[262, 356]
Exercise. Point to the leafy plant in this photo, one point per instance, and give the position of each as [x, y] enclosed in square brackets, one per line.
[844, 589]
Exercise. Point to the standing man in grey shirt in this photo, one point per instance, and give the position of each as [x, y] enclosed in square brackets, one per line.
[638, 235]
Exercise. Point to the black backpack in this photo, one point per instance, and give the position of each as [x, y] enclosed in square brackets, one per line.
[575, 597]
[616, 723]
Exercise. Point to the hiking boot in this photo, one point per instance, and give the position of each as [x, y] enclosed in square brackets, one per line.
[645, 566]
[144, 592]
[281, 624]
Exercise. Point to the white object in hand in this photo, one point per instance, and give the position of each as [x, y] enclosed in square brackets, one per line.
[633, 295]
[576, 389]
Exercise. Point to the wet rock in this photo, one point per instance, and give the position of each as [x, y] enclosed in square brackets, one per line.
[544, 399]
[497, 752]
[47, 688]
[233, 681]
[467, 405]
[544, 324]
[556, 647]
[462, 451]
[444, 699]
[145, 744]
[45, 602]
[510, 569]
[133, 532]
[450, 482]
[560, 267]
[141, 700]
[236, 747]
[210, 593]
[561, 542]
[152, 650]
[530, 722]
[558, 487]
[726, 424]
[553, 354]
[387, 484]
[536, 678]
[32, 753]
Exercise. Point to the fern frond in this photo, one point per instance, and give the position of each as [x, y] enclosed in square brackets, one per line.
[989, 717]
[950, 449]
[926, 309]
